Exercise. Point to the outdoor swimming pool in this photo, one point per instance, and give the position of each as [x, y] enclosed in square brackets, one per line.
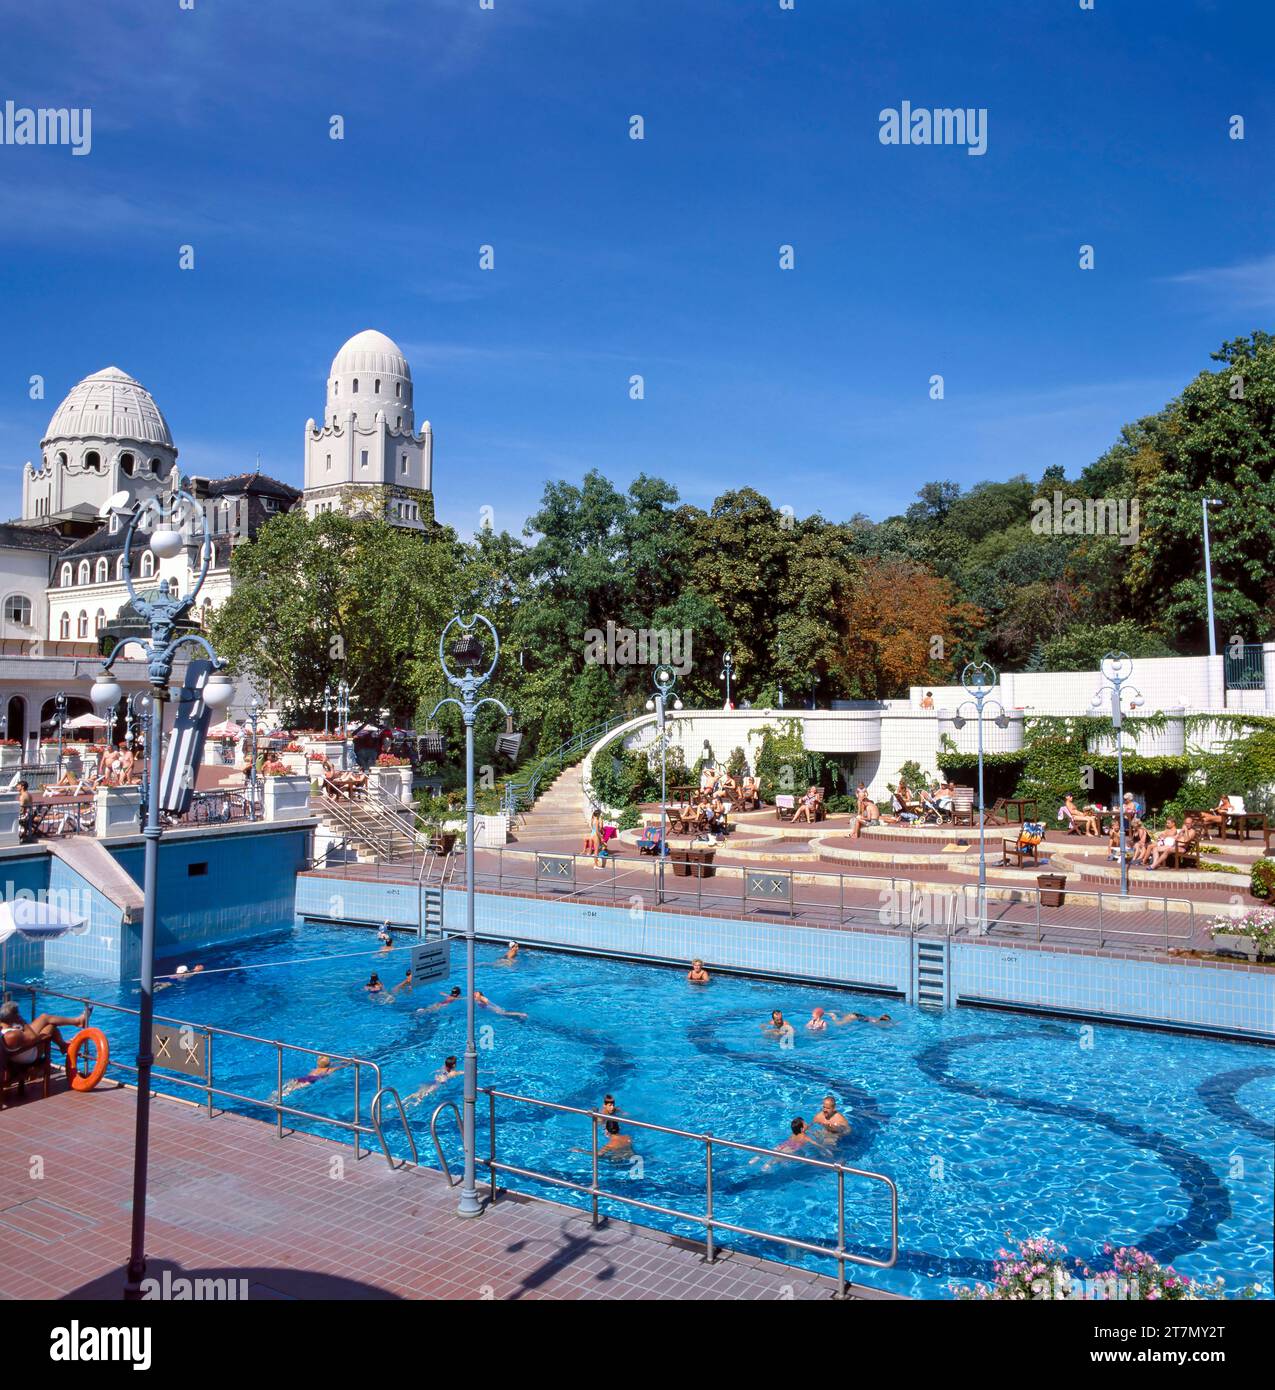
[987, 1122]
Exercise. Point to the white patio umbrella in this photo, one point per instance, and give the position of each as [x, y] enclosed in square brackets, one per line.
[226, 729]
[85, 721]
[35, 921]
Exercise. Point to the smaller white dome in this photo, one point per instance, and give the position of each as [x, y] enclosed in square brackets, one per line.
[371, 351]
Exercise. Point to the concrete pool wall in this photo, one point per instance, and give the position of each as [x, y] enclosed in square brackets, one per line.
[1214, 997]
[215, 884]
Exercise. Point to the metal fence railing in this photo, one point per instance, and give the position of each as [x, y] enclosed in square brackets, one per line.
[199, 1039]
[1083, 916]
[708, 1219]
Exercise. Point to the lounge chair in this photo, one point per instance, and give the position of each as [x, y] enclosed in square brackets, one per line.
[963, 806]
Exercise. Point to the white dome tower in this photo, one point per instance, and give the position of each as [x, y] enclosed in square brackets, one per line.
[107, 435]
[366, 456]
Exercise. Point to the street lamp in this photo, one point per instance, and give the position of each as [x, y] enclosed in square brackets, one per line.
[728, 667]
[343, 719]
[665, 680]
[165, 612]
[1205, 504]
[979, 679]
[1117, 668]
[327, 707]
[467, 653]
[59, 713]
[255, 708]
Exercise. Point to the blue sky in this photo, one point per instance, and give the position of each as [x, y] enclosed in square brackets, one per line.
[660, 257]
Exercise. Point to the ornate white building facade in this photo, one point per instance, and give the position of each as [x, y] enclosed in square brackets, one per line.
[61, 580]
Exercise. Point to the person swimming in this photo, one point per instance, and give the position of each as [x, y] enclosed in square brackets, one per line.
[374, 985]
[482, 1000]
[446, 1073]
[510, 956]
[697, 975]
[324, 1066]
[818, 1023]
[385, 937]
[180, 976]
[404, 983]
[451, 997]
[799, 1138]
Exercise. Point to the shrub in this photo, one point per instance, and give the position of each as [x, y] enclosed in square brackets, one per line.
[1262, 879]
[629, 819]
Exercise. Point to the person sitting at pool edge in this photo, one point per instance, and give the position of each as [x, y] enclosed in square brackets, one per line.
[21, 1040]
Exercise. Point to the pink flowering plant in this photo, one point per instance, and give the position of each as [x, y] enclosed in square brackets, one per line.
[1258, 924]
[1039, 1268]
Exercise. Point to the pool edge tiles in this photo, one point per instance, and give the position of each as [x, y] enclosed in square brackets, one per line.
[1229, 1000]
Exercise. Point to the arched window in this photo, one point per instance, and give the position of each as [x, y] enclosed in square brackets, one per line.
[82, 624]
[103, 571]
[398, 389]
[82, 574]
[17, 610]
[62, 460]
[64, 627]
[154, 465]
[100, 621]
[128, 463]
[336, 388]
[398, 424]
[93, 461]
[148, 564]
[377, 389]
[329, 463]
[356, 386]
[66, 576]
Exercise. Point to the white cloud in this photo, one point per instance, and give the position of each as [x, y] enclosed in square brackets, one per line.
[1245, 285]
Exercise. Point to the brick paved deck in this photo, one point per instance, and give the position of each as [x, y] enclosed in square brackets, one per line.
[230, 1200]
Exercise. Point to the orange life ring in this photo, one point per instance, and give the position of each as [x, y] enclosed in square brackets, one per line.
[98, 1039]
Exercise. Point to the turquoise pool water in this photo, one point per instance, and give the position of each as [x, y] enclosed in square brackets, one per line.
[987, 1122]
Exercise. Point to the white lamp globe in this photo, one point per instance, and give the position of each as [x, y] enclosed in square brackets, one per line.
[219, 690]
[165, 542]
[105, 692]
[650, 705]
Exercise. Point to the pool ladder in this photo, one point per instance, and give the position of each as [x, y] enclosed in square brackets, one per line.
[931, 959]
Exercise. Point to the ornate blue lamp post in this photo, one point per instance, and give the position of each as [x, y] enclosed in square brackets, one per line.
[165, 611]
[665, 680]
[254, 714]
[1117, 669]
[467, 653]
[728, 667]
[343, 720]
[59, 713]
[327, 707]
[979, 680]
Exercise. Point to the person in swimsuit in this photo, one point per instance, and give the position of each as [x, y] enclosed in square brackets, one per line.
[510, 956]
[617, 1146]
[798, 1139]
[482, 1000]
[385, 937]
[778, 1027]
[452, 997]
[405, 983]
[697, 975]
[817, 1023]
[323, 1066]
[21, 1040]
[441, 1078]
[832, 1123]
[374, 985]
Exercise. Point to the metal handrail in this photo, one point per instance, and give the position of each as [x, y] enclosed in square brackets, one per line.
[374, 1111]
[342, 812]
[279, 1109]
[708, 1220]
[522, 793]
[438, 1147]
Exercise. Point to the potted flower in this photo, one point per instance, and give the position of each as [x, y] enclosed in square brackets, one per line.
[394, 774]
[1250, 933]
[285, 794]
